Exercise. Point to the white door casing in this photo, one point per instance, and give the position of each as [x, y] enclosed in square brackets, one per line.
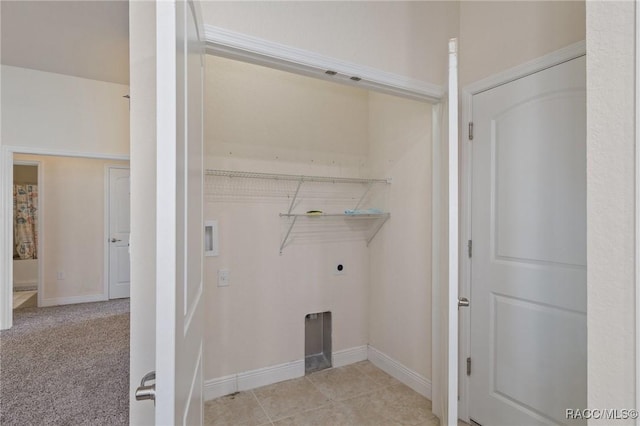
[528, 221]
[119, 230]
[445, 246]
[179, 228]
[450, 416]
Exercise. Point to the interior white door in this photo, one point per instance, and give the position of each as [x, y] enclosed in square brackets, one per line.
[179, 232]
[528, 288]
[119, 230]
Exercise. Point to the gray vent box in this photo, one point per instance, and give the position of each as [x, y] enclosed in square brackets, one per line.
[317, 342]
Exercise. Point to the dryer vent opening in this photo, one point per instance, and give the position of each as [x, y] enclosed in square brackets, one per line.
[317, 342]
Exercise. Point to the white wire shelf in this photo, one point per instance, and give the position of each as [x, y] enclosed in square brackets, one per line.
[235, 185]
[294, 178]
[377, 219]
[344, 215]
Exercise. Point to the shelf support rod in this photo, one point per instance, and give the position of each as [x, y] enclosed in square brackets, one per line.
[375, 231]
[284, 241]
[293, 201]
[366, 191]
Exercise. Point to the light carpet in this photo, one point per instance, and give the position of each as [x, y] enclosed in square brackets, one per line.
[66, 365]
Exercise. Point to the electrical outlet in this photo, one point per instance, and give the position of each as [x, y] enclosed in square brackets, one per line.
[339, 269]
[223, 278]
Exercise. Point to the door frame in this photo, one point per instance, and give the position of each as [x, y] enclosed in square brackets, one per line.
[40, 229]
[637, 202]
[247, 48]
[557, 57]
[107, 209]
[250, 49]
[6, 217]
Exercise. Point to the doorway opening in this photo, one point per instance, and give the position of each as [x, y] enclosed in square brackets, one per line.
[61, 234]
[26, 230]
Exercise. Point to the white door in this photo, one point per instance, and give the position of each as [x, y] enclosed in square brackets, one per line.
[179, 231]
[528, 288]
[119, 230]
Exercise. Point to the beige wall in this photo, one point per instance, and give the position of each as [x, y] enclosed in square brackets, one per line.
[25, 174]
[265, 114]
[612, 345]
[401, 37]
[259, 119]
[400, 256]
[497, 35]
[494, 35]
[63, 113]
[25, 274]
[72, 213]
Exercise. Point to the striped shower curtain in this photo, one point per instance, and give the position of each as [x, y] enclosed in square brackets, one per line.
[25, 221]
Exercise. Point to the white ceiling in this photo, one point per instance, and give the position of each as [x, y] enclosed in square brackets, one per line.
[88, 38]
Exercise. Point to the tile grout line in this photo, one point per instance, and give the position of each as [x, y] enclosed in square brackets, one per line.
[379, 385]
[318, 389]
[330, 401]
[261, 407]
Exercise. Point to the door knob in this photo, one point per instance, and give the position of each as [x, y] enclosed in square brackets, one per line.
[113, 240]
[463, 302]
[145, 391]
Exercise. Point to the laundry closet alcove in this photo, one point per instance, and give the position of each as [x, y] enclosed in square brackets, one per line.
[322, 194]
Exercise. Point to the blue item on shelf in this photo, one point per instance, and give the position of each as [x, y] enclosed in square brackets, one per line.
[352, 212]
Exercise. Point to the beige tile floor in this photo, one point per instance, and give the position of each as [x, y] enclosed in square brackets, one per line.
[25, 299]
[357, 394]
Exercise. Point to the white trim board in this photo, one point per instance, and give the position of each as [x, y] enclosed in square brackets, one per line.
[349, 356]
[27, 150]
[557, 57]
[25, 284]
[637, 203]
[394, 368]
[234, 45]
[6, 241]
[252, 379]
[55, 301]
[226, 385]
[438, 149]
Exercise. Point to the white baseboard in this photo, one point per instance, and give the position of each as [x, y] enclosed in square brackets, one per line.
[407, 376]
[349, 356]
[269, 375]
[247, 380]
[252, 379]
[26, 285]
[215, 388]
[73, 299]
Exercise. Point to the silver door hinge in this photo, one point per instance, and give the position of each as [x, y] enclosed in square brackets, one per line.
[471, 130]
[470, 247]
[469, 366]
